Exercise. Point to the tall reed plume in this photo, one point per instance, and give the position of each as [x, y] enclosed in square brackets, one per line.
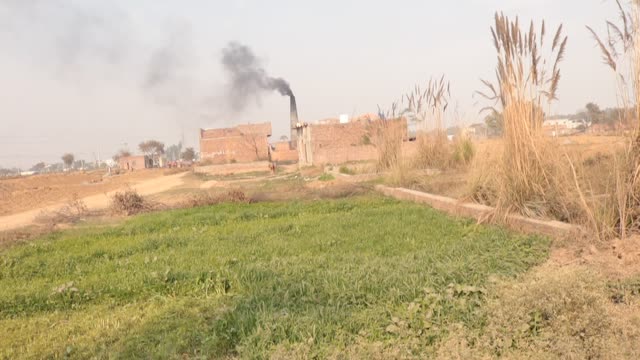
[527, 81]
[620, 50]
[426, 108]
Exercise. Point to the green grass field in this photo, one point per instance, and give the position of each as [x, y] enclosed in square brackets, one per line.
[335, 278]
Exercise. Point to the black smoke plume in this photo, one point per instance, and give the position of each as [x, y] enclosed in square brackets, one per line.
[249, 79]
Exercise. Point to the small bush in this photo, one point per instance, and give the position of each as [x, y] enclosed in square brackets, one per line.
[128, 203]
[434, 151]
[346, 171]
[326, 177]
[463, 151]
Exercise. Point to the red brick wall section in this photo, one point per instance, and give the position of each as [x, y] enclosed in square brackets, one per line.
[242, 144]
[345, 154]
[282, 152]
[354, 141]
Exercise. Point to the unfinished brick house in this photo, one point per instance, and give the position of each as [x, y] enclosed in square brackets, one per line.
[240, 144]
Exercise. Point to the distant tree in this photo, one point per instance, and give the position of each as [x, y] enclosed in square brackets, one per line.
[495, 123]
[594, 114]
[151, 147]
[9, 172]
[189, 154]
[38, 167]
[284, 138]
[174, 151]
[121, 154]
[68, 159]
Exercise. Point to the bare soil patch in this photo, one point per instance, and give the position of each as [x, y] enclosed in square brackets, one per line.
[34, 192]
[617, 259]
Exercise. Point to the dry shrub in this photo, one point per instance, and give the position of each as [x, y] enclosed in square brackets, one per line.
[532, 178]
[554, 313]
[388, 141]
[621, 52]
[71, 213]
[463, 151]
[427, 108]
[129, 202]
[210, 199]
[434, 151]
[483, 186]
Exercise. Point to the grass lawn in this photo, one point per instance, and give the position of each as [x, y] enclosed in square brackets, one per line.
[335, 278]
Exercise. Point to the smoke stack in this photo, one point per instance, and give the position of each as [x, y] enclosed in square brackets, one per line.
[294, 120]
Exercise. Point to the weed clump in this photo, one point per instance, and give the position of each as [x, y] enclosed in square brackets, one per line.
[463, 151]
[129, 202]
[346, 170]
[209, 199]
[326, 177]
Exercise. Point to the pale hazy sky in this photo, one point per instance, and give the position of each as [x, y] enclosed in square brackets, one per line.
[89, 76]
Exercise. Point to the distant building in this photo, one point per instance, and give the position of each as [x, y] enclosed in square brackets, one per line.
[478, 130]
[135, 162]
[563, 127]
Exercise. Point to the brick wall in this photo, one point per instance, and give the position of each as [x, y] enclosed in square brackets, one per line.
[282, 152]
[242, 144]
[354, 141]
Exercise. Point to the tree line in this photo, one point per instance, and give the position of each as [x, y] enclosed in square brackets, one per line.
[591, 114]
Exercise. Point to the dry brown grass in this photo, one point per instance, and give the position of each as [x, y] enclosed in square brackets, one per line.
[209, 199]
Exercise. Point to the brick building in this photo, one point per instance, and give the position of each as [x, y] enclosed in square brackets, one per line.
[241, 144]
[135, 162]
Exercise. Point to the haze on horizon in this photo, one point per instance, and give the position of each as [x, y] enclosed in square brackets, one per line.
[91, 77]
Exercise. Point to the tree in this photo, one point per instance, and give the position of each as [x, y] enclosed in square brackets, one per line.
[38, 167]
[189, 154]
[594, 114]
[68, 159]
[254, 141]
[174, 151]
[284, 138]
[495, 123]
[151, 147]
[121, 154]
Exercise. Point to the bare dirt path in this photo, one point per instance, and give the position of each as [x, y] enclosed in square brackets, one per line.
[94, 202]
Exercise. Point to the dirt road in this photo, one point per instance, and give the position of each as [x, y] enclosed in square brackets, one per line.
[101, 201]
